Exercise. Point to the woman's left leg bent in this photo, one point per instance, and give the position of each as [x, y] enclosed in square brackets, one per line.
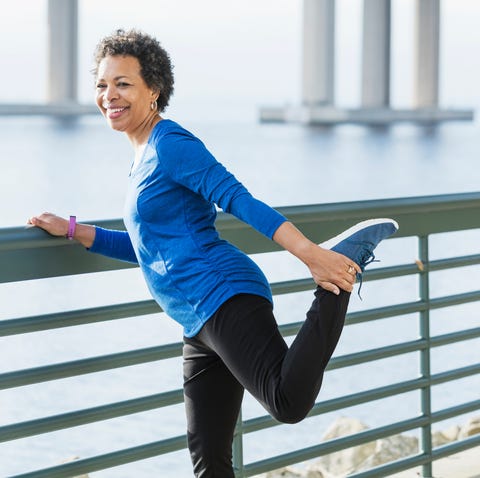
[285, 380]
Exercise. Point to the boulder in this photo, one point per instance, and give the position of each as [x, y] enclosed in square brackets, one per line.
[472, 427]
[443, 437]
[289, 472]
[390, 449]
[344, 461]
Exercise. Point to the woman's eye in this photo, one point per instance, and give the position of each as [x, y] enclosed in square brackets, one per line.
[123, 84]
[100, 86]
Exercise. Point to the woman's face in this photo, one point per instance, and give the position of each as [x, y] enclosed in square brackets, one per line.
[122, 95]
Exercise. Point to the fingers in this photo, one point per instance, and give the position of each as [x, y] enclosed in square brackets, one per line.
[51, 223]
[334, 272]
[329, 287]
[352, 267]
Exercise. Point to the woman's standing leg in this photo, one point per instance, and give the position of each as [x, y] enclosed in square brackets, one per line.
[213, 398]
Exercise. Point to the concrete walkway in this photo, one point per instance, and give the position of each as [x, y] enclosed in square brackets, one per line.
[465, 464]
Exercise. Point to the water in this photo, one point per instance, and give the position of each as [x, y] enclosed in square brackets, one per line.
[80, 168]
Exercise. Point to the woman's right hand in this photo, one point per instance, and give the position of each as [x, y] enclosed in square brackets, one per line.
[58, 226]
[54, 225]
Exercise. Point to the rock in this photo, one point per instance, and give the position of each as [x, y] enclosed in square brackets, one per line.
[292, 473]
[389, 449]
[343, 426]
[369, 455]
[443, 437]
[472, 427]
[344, 461]
[283, 472]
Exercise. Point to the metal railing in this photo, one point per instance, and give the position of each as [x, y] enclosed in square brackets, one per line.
[30, 254]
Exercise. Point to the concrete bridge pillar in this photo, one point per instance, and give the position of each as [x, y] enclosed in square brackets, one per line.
[318, 87]
[318, 52]
[427, 52]
[376, 54]
[63, 51]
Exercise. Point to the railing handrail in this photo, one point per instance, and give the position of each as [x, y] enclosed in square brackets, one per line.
[18, 245]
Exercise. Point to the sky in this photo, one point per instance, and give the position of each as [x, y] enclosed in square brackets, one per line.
[233, 57]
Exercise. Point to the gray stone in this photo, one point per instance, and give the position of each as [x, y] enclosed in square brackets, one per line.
[472, 427]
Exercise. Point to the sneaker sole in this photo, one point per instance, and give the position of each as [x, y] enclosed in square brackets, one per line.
[357, 227]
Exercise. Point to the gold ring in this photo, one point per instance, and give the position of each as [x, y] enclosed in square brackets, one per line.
[350, 269]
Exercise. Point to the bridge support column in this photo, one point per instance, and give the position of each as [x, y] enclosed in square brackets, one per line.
[318, 105]
[427, 52]
[376, 54]
[318, 52]
[62, 49]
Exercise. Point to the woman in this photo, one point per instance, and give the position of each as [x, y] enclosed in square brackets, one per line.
[216, 292]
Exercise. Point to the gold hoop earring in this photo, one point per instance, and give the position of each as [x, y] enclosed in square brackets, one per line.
[154, 105]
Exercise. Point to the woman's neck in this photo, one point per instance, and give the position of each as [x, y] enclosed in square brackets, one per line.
[140, 137]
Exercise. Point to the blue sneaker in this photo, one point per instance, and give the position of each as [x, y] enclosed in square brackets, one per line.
[358, 242]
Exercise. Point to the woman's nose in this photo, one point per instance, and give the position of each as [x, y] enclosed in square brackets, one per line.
[110, 94]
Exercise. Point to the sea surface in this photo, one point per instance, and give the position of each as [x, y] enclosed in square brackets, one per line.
[80, 167]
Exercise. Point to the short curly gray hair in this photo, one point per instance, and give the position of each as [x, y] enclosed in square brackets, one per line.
[155, 65]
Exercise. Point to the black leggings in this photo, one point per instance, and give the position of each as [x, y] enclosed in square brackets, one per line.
[240, 348]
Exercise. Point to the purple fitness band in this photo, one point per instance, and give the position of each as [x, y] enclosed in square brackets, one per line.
[71, 227]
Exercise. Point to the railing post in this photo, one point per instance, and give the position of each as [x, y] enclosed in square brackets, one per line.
[238, 448]
[426, 399]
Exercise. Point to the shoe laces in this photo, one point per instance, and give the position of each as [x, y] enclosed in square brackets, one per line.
[366, 257]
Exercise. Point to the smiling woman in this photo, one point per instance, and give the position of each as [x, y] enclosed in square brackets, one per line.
[215, 291]
[134, 82]
[124, 98]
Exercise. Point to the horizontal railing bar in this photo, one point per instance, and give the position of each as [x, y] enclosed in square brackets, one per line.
[338, 403]
[455, 447]
[455, 374]
[77, 317]
[89, 365]
[453, 262]
[389, 272]
[376, 354]
[451, 300]
[365, 315]
[393, 467]
[109, 460]
[394, 310]
[454, 337]
[89, 415]
[292, 286]
[332, 446]
[455, 411]
[386, 312]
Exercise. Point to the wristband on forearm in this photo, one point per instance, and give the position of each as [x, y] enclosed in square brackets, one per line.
[72, 224]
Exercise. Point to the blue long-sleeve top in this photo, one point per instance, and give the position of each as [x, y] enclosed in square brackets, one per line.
[169, 216]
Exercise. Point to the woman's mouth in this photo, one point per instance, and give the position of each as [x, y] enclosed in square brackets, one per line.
[113, 113]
